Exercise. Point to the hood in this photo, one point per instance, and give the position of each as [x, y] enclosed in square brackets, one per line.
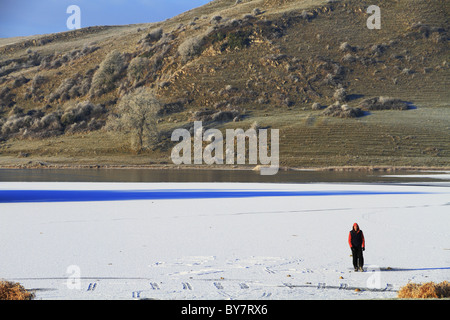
[355, 225]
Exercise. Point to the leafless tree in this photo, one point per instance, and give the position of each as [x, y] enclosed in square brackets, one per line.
[136, 114]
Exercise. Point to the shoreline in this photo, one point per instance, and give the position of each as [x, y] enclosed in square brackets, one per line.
[46, 166]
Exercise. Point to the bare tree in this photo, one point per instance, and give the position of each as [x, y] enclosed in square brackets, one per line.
[136, 114]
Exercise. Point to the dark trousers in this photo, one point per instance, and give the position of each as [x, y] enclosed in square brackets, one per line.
[358, 259]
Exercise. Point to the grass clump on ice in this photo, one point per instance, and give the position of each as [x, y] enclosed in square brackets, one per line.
[14, 291]
[425, 290]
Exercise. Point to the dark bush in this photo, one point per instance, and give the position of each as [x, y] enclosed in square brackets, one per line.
[383, 103]
[82, 111]
[239, 39]
[344, 111]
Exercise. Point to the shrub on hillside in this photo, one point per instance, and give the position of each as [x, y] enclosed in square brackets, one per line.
[346, 47]
[342, 111]
[383, 103]
[172, 107]
[70, 88]
[108, 72]
[154, 35]
[37, 81]
[256, 11]
[82, 111]
[316, 106]
[50, 123]
[349, 58]
[15, 123]
[56, 60]
[207, 115]
[136, 68]
[239, 39]
[37, 124]
[226, 115]
[16, 110]
[340, 95]
[64, 91]
[19, 81]
[32, 122]
[191, 47]
[6, 97]
[307, 15]
[215, 19]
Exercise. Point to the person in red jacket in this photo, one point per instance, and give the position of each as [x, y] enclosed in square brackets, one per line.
[357, 245]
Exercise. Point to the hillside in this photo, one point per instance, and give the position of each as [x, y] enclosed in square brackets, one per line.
[232, 64]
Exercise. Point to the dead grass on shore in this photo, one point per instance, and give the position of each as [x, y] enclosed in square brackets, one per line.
[425, 290]
[14, 291]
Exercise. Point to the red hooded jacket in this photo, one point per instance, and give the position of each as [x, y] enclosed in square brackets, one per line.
[356, 237]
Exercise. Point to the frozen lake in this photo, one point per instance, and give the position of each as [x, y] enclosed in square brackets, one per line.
[240, 241]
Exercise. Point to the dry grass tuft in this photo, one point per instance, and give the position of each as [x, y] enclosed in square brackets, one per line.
[425, 290]
[14, 291]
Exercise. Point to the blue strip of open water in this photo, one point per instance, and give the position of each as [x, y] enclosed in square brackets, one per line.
[19, 196]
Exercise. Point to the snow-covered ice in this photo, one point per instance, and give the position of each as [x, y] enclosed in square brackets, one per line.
[277, 247]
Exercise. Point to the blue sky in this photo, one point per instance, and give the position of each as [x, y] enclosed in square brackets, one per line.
[30, 17]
